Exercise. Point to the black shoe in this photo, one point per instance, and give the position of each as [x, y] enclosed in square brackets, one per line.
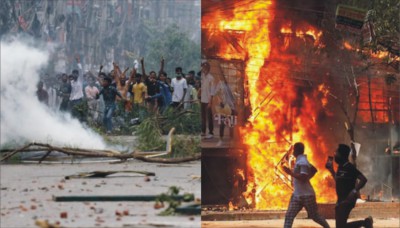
[369, 222]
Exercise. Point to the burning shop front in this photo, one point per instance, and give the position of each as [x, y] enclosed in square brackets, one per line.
[288, 82]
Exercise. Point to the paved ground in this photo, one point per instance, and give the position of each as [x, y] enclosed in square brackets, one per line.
[303, 223]
[27, 190]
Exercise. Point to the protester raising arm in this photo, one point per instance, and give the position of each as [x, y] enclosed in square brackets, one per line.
[329, 167]
[349, 180]
[123, 74]
[118, 76]
[130, 80]
[78, 62]
[161, 67]
[99, 78]
[143, 69]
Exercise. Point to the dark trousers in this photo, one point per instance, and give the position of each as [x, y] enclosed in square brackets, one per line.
[206, 116]
[342, 212]
[177, 105]
[64, 105]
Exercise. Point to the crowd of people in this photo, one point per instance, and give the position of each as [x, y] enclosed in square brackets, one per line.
[122, 96]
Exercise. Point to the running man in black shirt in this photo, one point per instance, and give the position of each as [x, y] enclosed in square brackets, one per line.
[347, 188]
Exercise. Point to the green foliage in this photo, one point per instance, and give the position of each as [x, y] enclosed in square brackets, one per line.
[385, 18]
[176, 48]
[6, 16]
[16, 158]
[152, 127]
[168, 197]
[149, 134]
[185, 146]
[185, 122]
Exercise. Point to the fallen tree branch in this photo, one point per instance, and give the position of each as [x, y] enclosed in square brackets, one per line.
[96, 174]
[15, 151]
[44, 156]
[25, 150]
[170, 160]
[113, 198]
[149, 156]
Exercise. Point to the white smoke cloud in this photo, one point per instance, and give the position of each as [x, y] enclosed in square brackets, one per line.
[23, 118]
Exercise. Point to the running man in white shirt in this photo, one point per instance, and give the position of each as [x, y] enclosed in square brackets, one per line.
[303, 195]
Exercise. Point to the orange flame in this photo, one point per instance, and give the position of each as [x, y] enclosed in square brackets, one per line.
[304, 32]
[240, 172]
[325, 91]
[232, 207]
[347, 45]
[377, 54]
[285, 30]
[380, 54]
[282, 112]
[375, 110]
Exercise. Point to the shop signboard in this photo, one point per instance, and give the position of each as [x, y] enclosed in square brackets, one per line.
[350, 18]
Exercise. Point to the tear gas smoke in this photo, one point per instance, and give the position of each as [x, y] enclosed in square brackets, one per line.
[23, 118]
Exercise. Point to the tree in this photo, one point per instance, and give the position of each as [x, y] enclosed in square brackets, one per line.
[385, 20]
[176, 48]
[386, 23]
[7, 16]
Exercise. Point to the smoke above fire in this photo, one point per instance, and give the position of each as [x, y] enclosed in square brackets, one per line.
[23, 118]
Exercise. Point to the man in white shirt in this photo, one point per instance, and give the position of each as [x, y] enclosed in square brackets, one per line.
[303, 195]
[91, 92]
[76, 102]
[180, 88]
[207, 92]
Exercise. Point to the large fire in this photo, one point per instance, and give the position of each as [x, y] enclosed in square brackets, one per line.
[282, 113]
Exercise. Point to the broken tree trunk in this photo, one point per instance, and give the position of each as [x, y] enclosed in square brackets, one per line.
[16, 151]
[140, 155]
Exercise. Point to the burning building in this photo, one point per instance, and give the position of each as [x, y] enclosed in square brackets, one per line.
[293, 83]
